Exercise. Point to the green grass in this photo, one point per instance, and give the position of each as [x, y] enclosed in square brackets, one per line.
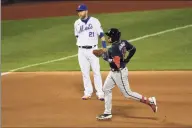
[164, 53]
[32, 41]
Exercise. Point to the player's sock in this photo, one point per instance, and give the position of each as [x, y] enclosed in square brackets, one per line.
[145, 100]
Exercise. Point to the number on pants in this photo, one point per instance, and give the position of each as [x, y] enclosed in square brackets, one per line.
[91, 34]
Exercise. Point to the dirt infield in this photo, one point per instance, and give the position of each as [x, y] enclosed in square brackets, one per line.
[54, 100]
[51, 9]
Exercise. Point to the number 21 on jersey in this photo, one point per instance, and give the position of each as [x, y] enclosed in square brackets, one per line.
[91, 34]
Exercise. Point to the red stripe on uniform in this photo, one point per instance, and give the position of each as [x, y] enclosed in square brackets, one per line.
[116, 60]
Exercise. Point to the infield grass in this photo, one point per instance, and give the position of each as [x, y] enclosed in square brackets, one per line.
[26, 42]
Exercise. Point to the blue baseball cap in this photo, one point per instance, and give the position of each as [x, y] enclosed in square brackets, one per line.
[82, 7]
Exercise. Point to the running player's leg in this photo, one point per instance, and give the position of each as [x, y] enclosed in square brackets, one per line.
[107, 88]
[95, 65]
[85, 69]
[123, 84]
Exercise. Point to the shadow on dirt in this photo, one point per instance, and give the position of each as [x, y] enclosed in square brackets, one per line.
[128, 112]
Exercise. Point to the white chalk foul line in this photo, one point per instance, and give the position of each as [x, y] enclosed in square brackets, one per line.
[68, 57]
[37, 64]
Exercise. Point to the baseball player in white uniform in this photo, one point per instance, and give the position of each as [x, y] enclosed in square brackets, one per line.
[87, 31]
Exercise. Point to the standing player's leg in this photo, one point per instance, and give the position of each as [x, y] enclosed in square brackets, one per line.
[107, 88]
[95, 65]
[123, 84]
[85, 69]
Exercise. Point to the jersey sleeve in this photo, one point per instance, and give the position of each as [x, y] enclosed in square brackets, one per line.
[131, 49]
[129, 46]
[75, 30]
[98, 27]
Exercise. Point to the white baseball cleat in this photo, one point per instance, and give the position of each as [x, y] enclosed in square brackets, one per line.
[104, 117]
[153, 103]
[86, 97]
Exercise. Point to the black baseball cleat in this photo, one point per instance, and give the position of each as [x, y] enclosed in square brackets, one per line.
[101, 98]
[104, 117]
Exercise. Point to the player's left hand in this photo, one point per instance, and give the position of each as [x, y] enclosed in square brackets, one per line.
[106, 57]
[99, 52]
[126, 60]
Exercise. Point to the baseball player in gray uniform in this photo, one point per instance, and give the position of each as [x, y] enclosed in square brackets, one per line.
[117, 59]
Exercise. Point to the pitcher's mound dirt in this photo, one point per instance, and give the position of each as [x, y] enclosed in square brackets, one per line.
[54, 100]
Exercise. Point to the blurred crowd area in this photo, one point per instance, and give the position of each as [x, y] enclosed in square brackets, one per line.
[8, 2]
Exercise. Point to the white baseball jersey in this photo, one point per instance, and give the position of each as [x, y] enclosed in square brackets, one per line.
[87, 33]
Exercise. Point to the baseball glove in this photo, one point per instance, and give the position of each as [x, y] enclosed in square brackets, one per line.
[99, 52]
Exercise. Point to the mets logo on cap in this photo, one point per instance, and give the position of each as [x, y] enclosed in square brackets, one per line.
[82, 7]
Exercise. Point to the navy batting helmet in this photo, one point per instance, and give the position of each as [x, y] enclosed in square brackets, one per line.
[114, 33]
